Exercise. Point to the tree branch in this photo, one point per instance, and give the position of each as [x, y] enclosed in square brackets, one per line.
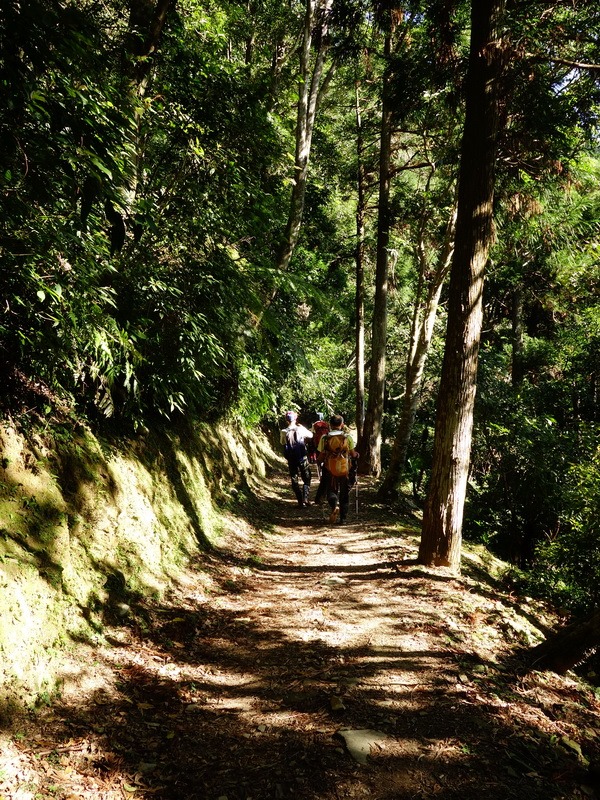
[566, 63]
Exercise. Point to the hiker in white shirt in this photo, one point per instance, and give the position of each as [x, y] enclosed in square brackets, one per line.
[293, 438]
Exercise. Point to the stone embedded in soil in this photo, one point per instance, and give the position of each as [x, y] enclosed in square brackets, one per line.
[334, 580]
[359, 742]
[337, 704]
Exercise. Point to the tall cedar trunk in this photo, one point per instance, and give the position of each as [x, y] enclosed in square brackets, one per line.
[312, 86]
[443, 514]
[360, 271]
[421, 335]
[370, 442]
[567, 648]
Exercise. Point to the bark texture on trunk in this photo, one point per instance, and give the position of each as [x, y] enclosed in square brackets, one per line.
[370, 442]
[313, 83]
[360, 271]
[147, 21]
[517, 336]
[443, 515]
[420, 340]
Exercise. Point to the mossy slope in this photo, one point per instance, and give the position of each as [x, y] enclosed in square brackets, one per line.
[85, 525]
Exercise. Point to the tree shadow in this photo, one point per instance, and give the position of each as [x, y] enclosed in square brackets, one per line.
[219, 706]
[213, 698]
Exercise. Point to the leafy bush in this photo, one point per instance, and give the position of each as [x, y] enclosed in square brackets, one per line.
[568, 564]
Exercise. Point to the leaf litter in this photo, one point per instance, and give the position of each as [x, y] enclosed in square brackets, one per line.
[316, 662]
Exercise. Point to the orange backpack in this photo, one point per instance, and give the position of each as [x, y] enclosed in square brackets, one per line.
[337, 459]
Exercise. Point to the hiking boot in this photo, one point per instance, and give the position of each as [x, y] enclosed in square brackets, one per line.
[334, 515]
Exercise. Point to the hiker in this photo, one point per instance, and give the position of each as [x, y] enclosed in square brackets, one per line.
[336, 450]
[319, 428]
[294, 438]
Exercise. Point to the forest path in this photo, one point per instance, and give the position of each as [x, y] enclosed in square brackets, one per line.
[314, 662]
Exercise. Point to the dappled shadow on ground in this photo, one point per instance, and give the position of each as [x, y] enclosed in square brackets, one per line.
[241, 692]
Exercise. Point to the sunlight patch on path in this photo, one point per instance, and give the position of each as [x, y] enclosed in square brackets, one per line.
[338, 587]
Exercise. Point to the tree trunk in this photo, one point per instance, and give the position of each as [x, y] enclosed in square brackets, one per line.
[147, 20]
[517, 336]
[443, 514]
[370, 442]
[249, 50]
[277, 62]
[567, 648]
[311, 89]
[360, 271]
[421, 335]
[146, 24]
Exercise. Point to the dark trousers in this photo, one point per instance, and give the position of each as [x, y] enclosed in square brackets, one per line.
[337, 491]
[300, 474]
[323, 485]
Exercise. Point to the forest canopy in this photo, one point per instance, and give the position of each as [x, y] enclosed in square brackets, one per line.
[233, 208]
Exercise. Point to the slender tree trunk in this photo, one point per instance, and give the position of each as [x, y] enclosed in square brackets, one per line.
[443, 514]
[249, 51]
[147, 20]
[277, 62]
[360, 271]
[517, 336]
[146, 23]
[421, 335]
[312, 87]
[370, 442]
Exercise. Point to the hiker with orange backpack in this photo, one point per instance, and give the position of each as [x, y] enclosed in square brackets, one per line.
[336, 450]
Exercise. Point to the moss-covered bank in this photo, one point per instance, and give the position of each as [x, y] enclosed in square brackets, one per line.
[85, 525]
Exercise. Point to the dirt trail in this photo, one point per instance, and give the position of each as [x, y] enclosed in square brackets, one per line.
[251, 681]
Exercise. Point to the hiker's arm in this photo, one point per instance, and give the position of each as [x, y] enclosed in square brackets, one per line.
[321, 450]
[351, 449]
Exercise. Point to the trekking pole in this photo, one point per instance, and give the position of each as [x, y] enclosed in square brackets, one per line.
[356, 495]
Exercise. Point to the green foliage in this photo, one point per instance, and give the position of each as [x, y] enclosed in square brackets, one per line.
[519, 459]
[257, 395]
[143, 201]
[568, 564]
[190, 171]
[535, 461]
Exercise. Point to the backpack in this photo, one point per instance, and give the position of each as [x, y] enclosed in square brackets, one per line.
[294, 448]
[337, 459]
[320, 428]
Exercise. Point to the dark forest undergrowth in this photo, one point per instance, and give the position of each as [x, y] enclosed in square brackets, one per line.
[314, 662]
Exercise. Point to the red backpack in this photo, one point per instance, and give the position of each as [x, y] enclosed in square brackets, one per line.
[320, 428]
